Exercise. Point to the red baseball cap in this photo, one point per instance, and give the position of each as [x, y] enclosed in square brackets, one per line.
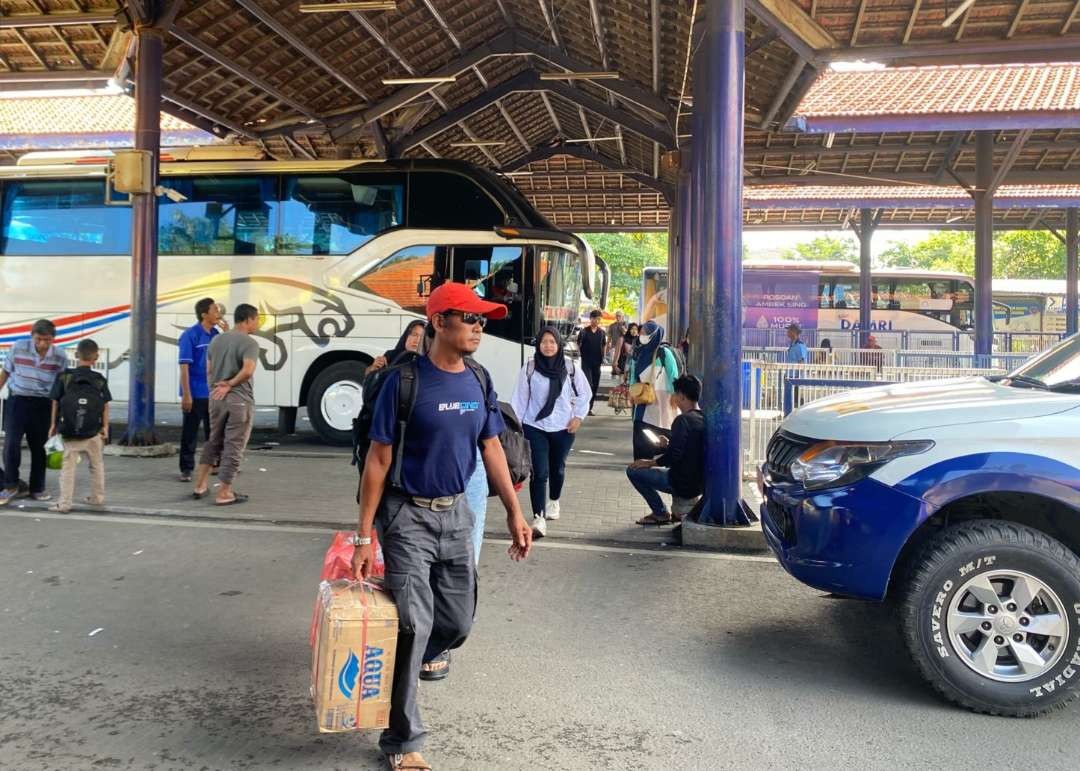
[459, 297]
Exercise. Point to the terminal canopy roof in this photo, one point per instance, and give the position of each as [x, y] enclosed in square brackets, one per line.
[591, 152]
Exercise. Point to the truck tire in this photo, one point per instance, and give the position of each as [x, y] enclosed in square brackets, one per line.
[991, 615]
[334, 399]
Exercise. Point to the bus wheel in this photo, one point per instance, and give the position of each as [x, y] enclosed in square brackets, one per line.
[990, 616]
[334, 399]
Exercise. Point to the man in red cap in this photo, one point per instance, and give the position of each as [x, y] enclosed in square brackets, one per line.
[414, 482]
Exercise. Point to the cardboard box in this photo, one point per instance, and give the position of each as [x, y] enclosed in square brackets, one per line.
[352, 666]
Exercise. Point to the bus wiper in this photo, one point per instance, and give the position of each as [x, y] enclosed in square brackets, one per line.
[1030, 382]
[1070, 387]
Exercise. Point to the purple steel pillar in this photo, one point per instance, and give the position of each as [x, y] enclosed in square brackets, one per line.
[718, 164]
[1072, 241]
[866, 236]
[686, 275]
[674, 277]
[144, 253]
[984, 243]
[698, 181]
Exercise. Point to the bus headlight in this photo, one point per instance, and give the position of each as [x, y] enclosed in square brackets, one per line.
[832, 464]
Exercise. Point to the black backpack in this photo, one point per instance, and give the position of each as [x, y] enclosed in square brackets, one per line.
[512, 437]
[372, 385]
[81, 410]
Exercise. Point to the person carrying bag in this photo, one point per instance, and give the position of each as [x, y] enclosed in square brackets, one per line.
[653, 370]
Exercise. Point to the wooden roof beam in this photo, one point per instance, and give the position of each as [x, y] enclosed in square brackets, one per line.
[513, 126]
[530, 81]
[58, 19]
[802, 34]
[259, 12]
[583, 153]
[353, 125]
[224, 61]
[1010, 159]
[907, 178]
[624, 89]
[550, 21]
[782, 93]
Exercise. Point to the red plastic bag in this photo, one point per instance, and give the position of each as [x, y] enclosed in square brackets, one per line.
[337, 564]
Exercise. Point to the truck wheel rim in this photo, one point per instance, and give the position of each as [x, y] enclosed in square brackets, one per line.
[341, 402]
[1007, 626]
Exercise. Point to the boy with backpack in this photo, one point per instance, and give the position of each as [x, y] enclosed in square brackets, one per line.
[80, 414]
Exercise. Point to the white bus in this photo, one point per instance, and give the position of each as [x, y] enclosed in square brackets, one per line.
[911, 309]
[339, 256]
[1035, 305]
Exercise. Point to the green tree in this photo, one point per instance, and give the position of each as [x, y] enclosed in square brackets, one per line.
[951, 250]
[824, 248]
[626, 254]
[1017, 254]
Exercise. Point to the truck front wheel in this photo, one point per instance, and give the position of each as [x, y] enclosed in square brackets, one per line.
[991, 615]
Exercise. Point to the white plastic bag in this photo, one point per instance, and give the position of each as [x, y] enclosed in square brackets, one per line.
[55, 444]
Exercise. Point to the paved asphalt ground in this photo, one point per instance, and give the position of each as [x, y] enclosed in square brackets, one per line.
[142, 643]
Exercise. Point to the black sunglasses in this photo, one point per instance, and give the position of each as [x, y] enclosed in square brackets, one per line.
[469, 318]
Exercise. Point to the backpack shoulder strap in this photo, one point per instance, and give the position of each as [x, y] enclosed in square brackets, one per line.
[483, 377]
[407, 387]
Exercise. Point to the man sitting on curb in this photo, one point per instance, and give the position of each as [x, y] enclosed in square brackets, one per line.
[680, 470]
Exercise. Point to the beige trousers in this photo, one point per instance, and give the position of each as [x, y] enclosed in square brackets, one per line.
[92, 449]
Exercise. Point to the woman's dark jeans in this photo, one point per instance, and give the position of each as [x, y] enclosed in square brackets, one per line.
[549, 451]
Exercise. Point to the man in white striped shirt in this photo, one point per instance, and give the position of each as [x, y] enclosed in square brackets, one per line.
[30, 369]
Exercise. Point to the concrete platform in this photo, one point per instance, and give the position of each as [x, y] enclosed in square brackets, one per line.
[296, 479]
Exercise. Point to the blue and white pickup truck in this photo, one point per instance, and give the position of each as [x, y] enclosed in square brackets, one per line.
[958, 499]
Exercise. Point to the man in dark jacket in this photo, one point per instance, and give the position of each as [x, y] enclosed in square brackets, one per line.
[680, 470]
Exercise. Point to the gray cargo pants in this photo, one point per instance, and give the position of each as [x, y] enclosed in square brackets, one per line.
[231, 420]
[431, 573]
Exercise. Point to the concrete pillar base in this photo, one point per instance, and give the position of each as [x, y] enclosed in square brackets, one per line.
[720, 538]
[163, 450]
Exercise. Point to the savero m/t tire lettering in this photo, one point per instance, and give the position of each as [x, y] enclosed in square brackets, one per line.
[991, 616]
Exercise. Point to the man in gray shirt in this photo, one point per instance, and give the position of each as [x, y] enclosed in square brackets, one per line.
[230, 365]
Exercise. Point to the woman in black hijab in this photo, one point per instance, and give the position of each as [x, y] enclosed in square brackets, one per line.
[551, 399]
[409, 341]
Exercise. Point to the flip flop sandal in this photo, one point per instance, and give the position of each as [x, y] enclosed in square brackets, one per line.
[238, 498]
[652, 519]
[436, 669]
[198, 496]
[409, 760]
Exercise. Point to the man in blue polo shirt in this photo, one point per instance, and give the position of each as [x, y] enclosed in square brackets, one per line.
[416, 489]
[797, 352]
[194, 387]
[30, 369]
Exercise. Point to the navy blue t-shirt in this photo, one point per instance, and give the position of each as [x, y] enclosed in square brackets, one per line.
[449, 417]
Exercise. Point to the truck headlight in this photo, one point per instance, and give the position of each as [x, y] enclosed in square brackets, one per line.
[833, 464]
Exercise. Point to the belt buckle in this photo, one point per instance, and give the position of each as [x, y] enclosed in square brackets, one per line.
[444, 503]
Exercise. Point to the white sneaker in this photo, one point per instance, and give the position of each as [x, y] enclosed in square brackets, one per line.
[539, 526]
[552, 510]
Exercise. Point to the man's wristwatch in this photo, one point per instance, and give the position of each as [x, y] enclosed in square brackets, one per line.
[360, 540]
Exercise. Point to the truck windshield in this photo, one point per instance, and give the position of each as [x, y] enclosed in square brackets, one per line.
[1057, 367]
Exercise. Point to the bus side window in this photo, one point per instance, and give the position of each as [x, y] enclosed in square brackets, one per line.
[495, 273]
[445, 200]
[406, 277]
[337, 214]
[61, 217]
[226, 215]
